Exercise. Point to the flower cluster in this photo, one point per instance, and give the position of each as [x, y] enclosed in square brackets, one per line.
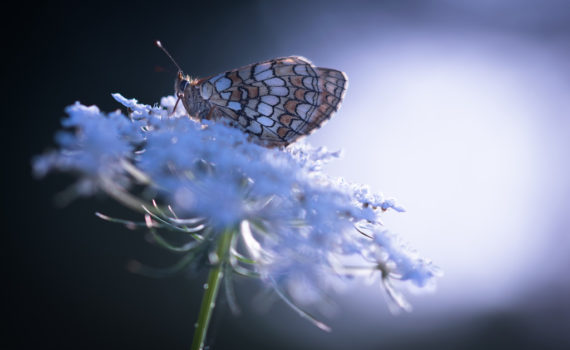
[284, 220]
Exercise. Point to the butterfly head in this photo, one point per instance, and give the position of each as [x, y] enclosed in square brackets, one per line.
[181, 83]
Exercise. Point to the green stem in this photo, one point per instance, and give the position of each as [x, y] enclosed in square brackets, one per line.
[212, 287]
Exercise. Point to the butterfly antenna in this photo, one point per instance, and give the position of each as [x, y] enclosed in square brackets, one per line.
[159, 45]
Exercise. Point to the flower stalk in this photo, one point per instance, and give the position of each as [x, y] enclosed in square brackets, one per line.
[211, 289]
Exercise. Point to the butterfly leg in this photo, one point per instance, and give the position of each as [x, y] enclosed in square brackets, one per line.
[209, 116]
[175, 105]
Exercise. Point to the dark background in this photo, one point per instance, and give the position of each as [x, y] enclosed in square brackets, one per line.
[67, 285]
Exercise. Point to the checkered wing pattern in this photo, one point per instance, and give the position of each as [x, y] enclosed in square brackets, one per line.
[277, 101]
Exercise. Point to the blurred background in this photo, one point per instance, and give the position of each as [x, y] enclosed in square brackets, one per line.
[459, 109]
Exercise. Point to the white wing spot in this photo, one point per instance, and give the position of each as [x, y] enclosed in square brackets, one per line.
[275, 82]
[264, 75]
[270, 99]
[301, 70]
[266, 121]
[279, 91]
[265, 109]
[236, 106]
[223, 84]
[226, 95]
[302, 110]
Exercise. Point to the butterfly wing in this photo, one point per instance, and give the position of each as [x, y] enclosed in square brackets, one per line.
[279, 100]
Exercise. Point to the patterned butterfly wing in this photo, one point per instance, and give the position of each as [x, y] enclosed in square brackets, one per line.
[279, 100]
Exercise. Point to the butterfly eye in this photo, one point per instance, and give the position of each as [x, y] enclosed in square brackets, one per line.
[183, 85]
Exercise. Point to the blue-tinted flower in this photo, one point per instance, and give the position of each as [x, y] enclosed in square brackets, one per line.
[292, 225]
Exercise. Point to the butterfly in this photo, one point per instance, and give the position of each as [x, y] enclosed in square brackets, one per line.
[277, 101]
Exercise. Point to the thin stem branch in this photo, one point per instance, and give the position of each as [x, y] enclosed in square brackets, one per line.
[211, 290]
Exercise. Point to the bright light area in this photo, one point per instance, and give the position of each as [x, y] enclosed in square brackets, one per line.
[450, 131]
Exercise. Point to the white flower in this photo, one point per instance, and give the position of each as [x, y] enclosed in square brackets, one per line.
[292, 225]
